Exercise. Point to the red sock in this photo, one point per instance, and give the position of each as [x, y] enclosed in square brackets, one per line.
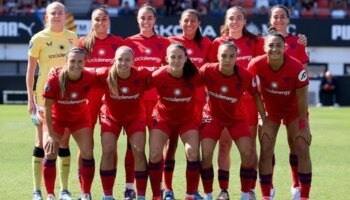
[253, 179]
[87, 174]
[246, 175]
[107, 179]
[293, 162]
[141, 182]
[224, 177]
[129, 164]
[265, 184]
[192, 176]
[273, 168]
[305, 184]
[49, 173]
[168, 174]
[155, 176]
[207, 176]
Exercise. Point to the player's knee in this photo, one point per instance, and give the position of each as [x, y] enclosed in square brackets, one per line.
[50, 156]
[155, 156]
[86, 154]
[192, 154]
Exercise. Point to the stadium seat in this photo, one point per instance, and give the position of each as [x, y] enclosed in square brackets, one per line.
[323, 4]
[158, 3]
[248, 4]
[323, 13]
[113, 3]
[307, 13]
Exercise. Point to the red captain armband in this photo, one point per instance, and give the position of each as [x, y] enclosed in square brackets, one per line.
[302, 123]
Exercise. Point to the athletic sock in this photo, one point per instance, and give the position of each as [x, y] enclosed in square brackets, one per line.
[107, 180]
[223, 177]
[207, 176]
[64, 167]
[38, 156]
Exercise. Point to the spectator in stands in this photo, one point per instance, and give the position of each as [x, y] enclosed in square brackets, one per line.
[338, 8]
[294, 13]
[308, 4]
[170, 7]
[216, 8]
[262, 6]
[200, 7]
[126, 10]
[328, 90]
[26, 7]
[11, 7]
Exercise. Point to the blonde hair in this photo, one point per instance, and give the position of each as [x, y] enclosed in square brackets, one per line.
[112, 78]
[63, 76]
[50, 6]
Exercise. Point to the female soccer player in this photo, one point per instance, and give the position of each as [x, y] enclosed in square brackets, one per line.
[123, 86]
[226, 83]
[175, 113]
[279, 20]
[149, 52]
[65, 95]
[48, 49]
[235, 30]
[197, 48]
[100, 47]
[283, 83]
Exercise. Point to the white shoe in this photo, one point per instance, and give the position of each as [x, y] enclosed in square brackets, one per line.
[272, 193]
[50, 197]
[66, 195]
[295, 193]
[252, 195]
[85, 196]
[244, 196]
[208, 196]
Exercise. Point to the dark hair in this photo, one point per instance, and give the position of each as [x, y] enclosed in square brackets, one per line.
[273, 32]
[229, 43]
[189, 69]
[90, 39]
[63, 76]
[149, 8]
[198, 36]
[278, 6]
[224, 30]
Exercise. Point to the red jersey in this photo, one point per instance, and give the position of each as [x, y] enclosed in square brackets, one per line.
[128, 104]
[278, 88]
[225, 92]
[103, 51]
[149, 52]
[176, 101]
[246, 49]
[292, 48]
[74, 106]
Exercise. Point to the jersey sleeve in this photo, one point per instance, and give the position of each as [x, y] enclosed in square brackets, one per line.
[302, 54]
[302, 79]
[51, 89]
[252, 67]
[252, 87]
[34, 47]
[259, 46]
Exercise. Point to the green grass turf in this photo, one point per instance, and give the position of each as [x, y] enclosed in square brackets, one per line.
[330, 156]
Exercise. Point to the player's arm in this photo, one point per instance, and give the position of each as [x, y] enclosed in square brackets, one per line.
[52, 141]
[302, 105]
[32, 62]
[260, 105]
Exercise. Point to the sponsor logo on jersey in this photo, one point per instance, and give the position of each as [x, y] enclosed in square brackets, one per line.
[279, 92]
[302, 76]
[220, 96]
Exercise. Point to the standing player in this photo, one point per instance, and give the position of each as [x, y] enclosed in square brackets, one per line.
[226, 83]
[175, 113]
[283, 83]
[65, 95]
[149, 52]
[124, 86]
[197, 48]
[279, 20]
[48, 49]
[100, 47]
[235, 30]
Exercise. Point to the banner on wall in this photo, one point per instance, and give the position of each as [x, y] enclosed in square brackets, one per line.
[320, 32]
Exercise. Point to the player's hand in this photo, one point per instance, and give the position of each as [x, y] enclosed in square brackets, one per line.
[302, 39]
[51, 146]
[31, 107]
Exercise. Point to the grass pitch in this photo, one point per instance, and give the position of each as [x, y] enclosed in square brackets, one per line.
[330, 156]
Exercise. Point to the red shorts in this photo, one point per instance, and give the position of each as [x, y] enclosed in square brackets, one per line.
[213, 128]
[149, 105]
[199, 109]
[109, 124]
[59, 127]
[251, 111]
[174, 128]
[94, 103]
[287, 119]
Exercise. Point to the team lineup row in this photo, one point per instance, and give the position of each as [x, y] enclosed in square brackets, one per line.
[184, 86]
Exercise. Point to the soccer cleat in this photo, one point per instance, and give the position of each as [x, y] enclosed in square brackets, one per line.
[79, 198]
[66, 195]
[50, 197]
[244, 196]
[252, 195]
[169, 195]
[208, 196]
[110, 197]
[223, 195]
[197, 196]
[129, 194]
[272, 193]
[295, 193]
[85, 196]
[37, 195]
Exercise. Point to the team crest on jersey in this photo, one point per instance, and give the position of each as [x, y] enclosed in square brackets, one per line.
[160, 46]
[293, 45]
[124, 90]
[286, 80]
[177, 92]
[302, 75]
[70, 41]
[137, 83]
[249, 43]
[148, 51]
[274, 85]
[47, 87]
[73, 95]
[114, 47]
[224, 89]
[189, 51]
[238, 86]
[101, 52]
